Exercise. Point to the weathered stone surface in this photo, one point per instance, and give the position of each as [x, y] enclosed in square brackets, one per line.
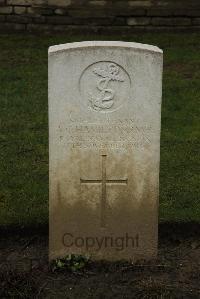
[80, 13]
[178, 14]
[59, 20]
[19, 10]
[26, 2]
[94, 21]
[2, 18]
[19, 2]
[187, 12]
[159, 12]
[119, 21]
[2, 2]
[171, 21]
[18, 19]
[138, 21]
[143, 3]
[39, 20]
[173, 12]
[37, 11]
[98, 3]
[39, 27]
[104, 135]
[10, 27]
[61, 11]
[178, 3]
[196, 21]
[81, 21]
[62, 3]
[129, 12]
[5, 10]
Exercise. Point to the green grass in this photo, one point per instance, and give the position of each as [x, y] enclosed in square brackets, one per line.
[24, 126]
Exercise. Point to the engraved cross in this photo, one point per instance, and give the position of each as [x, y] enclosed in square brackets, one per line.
[104, 181]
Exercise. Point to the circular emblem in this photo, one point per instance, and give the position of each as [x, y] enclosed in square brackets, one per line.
[104, 86]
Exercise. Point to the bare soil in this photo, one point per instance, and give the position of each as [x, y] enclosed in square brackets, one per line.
[25, 273]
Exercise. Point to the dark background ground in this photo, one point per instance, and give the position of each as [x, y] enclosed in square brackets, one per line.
[24, 270]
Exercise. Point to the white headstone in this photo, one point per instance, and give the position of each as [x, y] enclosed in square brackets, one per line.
[104, 137]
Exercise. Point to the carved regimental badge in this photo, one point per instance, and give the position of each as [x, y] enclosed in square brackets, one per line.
[104, 86]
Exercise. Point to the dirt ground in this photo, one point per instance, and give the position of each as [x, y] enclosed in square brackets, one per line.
[24, 270]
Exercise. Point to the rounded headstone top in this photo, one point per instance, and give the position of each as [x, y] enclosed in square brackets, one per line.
[114, 44]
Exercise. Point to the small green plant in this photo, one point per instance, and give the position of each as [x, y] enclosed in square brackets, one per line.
[70, 262]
